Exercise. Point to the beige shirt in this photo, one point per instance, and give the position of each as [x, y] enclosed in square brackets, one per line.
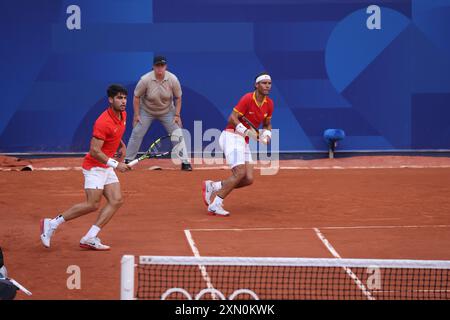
[157, 96]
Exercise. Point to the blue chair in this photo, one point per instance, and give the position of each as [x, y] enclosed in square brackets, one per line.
[332, 136]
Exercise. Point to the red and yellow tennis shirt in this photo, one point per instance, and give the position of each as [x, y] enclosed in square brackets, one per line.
[109, 128]
[254, 112]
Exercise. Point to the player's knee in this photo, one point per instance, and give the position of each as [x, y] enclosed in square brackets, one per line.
[248, 180]
[117, 202]
[239, 173]
[93, 206]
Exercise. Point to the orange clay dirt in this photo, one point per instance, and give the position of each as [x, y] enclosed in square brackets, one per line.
[400, 210]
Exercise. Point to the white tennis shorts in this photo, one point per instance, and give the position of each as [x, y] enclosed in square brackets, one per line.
[236, 151]
[98, 178]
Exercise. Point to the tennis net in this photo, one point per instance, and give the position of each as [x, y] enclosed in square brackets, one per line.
[234, 278]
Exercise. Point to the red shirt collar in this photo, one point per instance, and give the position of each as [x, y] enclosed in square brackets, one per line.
[256, 101]
[113, 115]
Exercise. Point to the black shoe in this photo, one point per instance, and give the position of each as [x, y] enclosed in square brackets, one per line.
[127, 161]
[186, 167]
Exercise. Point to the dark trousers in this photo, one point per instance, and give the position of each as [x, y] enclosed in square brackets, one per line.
[7, 290]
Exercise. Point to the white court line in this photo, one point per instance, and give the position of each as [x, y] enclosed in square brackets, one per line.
[191, 242]
[202, 268]
[352, 275]
[322, 238]
[327, 228]
[400, 292]
[57, 169]
[281, 168]
[327, 243]
[368, 167]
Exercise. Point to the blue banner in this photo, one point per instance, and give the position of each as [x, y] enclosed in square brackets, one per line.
[379, 70]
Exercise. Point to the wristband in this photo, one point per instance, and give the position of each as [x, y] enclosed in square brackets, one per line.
[112, 163]
[241, 129]
[267, 133]
[266, 136]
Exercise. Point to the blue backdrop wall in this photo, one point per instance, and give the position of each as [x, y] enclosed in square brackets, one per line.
[388, 88]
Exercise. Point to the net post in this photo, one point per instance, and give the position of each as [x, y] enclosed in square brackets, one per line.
[127, 278]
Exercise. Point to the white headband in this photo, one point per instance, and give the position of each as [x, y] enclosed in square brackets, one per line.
[263, 77]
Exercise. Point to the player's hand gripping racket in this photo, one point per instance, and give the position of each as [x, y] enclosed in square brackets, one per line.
[254, 132]
[159, 148]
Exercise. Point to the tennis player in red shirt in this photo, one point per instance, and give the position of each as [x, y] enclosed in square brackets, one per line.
[99, 176]
[257, 107]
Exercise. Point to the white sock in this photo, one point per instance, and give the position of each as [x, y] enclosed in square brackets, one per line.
[54, 223]
[217, 185]
[217, 201]
[93, 232]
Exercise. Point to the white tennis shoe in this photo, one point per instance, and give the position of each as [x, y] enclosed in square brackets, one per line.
[46, 232]
[207, 190]
[93, 244]
[217, 210]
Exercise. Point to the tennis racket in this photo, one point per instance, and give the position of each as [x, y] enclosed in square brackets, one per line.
[256, 131]
[159, 148]
[20, 287]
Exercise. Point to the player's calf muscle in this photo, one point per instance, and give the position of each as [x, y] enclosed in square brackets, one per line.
[79, 210]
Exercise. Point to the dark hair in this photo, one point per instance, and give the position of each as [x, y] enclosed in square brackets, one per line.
[260, 74]
[115, 89]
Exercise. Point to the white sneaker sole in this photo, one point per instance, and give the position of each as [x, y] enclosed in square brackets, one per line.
[218, 214]
[87, 246]
[43, 240]
[204, 193]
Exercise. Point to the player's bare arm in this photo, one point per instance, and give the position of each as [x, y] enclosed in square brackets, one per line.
[121, 152]
[239, 127]
[96, 152]
[234, 118]
[267, 124]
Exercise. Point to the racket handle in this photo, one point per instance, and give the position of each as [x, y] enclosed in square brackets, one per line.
[252, 133]
[133, 163]
[21, 288]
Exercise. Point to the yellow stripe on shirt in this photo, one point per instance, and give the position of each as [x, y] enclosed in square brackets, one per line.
[238, 111]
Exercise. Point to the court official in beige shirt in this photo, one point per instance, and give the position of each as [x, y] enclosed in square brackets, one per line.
[157, 96]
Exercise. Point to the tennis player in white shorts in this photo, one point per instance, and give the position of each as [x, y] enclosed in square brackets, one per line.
[257, 108]
[99, 176]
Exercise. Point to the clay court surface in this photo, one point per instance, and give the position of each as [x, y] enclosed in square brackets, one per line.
[366, 207]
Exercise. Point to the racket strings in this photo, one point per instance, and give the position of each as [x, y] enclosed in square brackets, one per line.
[162, 147]
[155, 147]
